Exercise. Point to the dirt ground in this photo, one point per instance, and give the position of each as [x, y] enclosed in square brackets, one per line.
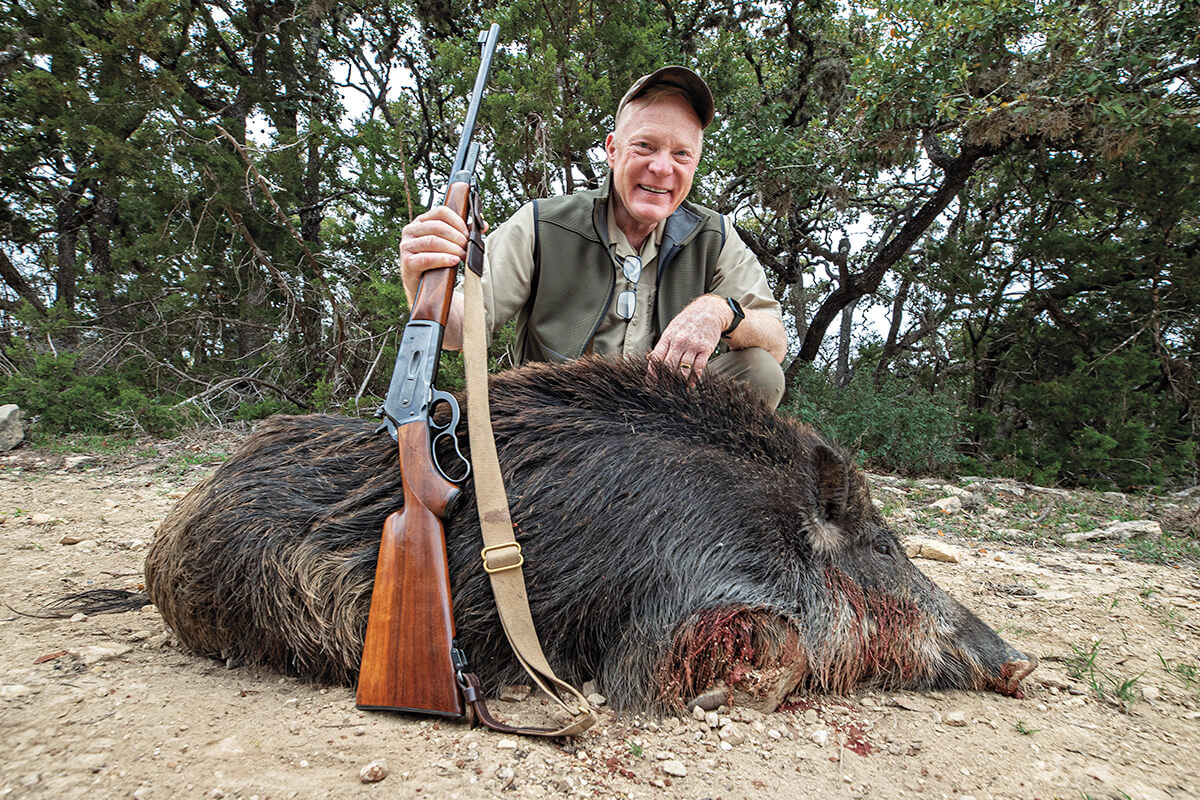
[109, 706]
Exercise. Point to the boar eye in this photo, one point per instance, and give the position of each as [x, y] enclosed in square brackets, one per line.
[883, 548]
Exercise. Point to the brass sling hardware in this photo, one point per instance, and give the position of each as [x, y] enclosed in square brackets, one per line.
[490, 569]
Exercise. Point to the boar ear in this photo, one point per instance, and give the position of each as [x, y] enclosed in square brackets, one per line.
[833, 484]
[824, 528]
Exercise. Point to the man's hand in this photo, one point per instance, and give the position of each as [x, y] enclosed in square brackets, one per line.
[433, 240]
[690, 339]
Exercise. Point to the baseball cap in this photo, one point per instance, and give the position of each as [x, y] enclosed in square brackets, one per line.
[693, 86]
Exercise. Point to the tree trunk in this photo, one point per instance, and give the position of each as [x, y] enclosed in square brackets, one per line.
[956, 172]
[841, 375]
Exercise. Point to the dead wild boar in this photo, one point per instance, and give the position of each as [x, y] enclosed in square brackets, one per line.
[675, 539]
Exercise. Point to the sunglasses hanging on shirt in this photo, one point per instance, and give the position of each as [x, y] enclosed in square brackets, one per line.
[627, 299]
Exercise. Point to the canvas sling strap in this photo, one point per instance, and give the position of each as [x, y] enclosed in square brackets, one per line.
[501, 553]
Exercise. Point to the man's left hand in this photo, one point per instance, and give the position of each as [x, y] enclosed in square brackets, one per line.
[691, 337]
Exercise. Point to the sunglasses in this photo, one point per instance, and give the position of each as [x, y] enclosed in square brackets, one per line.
[627, 300]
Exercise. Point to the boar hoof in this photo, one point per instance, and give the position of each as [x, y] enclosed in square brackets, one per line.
[711, 698]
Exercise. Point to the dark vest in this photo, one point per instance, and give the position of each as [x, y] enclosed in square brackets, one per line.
[574, 278]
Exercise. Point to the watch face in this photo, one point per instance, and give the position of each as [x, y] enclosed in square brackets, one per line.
[738, 315]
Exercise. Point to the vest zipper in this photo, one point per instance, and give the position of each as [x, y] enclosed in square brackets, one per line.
[603, 313]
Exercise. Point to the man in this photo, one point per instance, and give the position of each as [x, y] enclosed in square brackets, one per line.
[628, 268]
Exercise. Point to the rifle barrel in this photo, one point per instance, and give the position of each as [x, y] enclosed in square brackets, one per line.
[485, 66]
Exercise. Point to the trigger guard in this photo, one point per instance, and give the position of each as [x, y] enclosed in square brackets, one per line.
[448, 429]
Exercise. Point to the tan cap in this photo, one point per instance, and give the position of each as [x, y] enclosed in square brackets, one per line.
[692, 85]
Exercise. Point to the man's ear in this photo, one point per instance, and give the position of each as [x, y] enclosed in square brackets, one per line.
[610, 148]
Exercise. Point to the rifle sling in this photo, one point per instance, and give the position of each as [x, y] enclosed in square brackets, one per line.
[501, 553]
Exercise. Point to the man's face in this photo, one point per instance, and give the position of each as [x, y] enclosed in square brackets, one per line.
[653, 155]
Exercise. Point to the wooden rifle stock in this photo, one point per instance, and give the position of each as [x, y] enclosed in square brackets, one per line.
[407, 661]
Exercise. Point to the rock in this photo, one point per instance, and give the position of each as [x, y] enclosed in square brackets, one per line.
[948, 505]
[506, 744]
[1151, 694]
[70, 539]
[711, 719]
[733, 734]
[14, 690]
[94, 654]
[974, 501]
[1124, 531]
[595, 699]
[229, 746]
[820, 737]
[1011, 533]
[41, 519]
[698, 713]
[516, 692]
[956, 719]
[93, 762]
[374, 772]
[674, 768]
[78, 462]
[933, 550]
[505, 773]
[1135, 529]
[12, 431]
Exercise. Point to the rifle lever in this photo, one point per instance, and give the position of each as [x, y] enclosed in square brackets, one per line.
[438, 431]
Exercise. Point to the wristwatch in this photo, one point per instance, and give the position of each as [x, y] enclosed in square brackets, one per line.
[738, 316]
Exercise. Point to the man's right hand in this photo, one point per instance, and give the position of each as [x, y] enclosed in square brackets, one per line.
[433, 240]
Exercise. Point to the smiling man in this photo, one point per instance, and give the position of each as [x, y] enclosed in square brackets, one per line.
[631, 267]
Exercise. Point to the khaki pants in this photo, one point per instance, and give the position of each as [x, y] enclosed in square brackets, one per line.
[754, 366]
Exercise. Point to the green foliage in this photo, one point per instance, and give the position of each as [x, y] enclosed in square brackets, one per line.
[1081, 665]
[1095, 423]
[65, 399]
[1186, 673]
[261, 409]
[893, 427]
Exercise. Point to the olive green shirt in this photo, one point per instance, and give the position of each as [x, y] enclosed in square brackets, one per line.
[509, 266]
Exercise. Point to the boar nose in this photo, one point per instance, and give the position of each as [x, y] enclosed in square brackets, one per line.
[1015, 671]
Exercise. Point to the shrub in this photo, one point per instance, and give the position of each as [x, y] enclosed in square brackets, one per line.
[893, 427]
[67, 399]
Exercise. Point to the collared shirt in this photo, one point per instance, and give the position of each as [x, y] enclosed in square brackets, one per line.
[508, 275]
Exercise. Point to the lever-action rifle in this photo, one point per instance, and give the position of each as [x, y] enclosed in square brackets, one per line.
[410, 661]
